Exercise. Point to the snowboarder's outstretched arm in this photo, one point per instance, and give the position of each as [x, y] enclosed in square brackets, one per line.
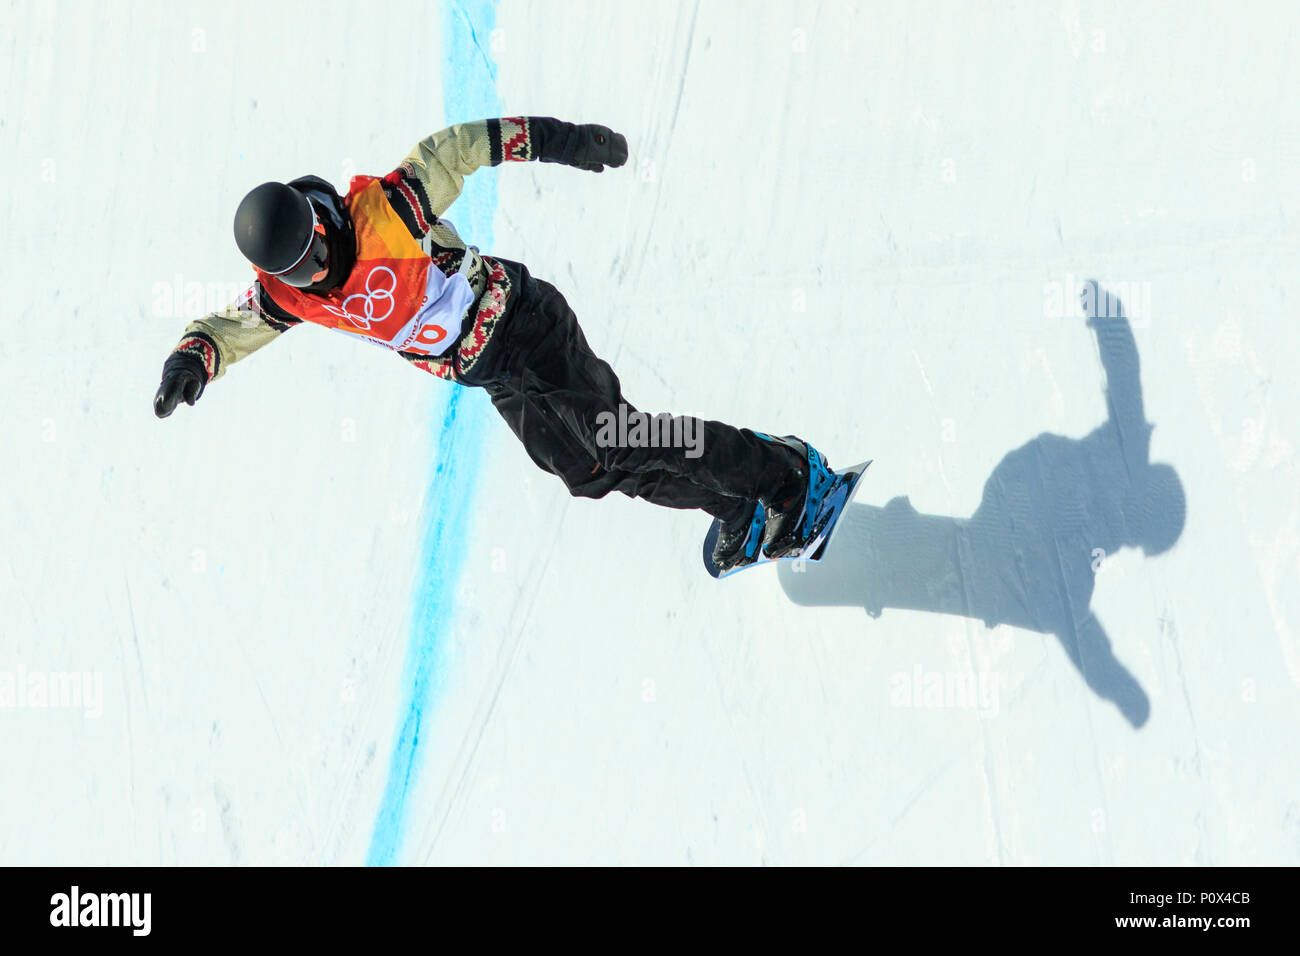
[438, 165]
[213, 342]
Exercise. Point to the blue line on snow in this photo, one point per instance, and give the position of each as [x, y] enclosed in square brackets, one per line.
[469, 93]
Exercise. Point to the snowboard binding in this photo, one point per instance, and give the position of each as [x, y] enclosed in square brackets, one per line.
[795, 514]
[801, 518]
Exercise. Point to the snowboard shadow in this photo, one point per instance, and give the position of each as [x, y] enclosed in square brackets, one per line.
[1052, 511]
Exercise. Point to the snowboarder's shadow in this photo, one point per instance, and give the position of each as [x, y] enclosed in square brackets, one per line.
[1053, 510]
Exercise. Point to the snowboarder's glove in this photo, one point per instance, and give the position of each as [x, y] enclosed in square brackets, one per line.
[590, 146]
[183, 378]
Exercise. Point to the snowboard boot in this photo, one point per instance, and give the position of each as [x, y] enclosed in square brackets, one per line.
[740, 538]
[791, 509]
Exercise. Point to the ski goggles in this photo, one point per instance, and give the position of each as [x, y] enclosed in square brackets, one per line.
[313, 265]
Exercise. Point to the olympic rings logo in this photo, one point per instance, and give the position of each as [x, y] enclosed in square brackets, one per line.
[375, 291]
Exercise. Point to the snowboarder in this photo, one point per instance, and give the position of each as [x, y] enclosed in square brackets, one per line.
[379, 264]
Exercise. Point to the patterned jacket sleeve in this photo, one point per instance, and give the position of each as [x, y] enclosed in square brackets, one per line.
[221, 338]
[433, 173]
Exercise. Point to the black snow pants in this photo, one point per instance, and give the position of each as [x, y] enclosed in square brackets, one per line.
[551, 389]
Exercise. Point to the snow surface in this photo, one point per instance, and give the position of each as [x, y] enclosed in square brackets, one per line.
[898, 200]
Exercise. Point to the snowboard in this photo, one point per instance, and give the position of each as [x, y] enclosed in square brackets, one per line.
[833, 504]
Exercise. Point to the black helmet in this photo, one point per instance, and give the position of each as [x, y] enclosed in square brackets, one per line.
[278, 230]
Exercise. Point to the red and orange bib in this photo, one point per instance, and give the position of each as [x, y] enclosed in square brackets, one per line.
[395, 296]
